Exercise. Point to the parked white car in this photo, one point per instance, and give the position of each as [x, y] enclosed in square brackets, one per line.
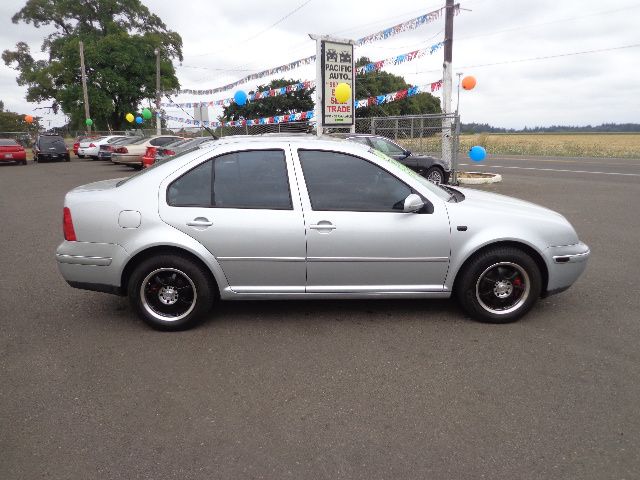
[130, 154]
[91, 147]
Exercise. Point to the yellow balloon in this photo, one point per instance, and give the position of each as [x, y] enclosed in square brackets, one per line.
[129, 117]
[343, 92]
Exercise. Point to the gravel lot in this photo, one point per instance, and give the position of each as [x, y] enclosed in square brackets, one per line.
[323, 389]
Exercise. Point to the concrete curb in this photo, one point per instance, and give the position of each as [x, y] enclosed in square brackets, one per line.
[494, 178]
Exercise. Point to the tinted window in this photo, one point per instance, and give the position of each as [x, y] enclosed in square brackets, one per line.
[193, 189]
[51, 141]
[253, 179]
[386, 146]
[336, 181]
[162, 141]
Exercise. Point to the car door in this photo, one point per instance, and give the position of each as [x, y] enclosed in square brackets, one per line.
[239, 205]
[358, 237]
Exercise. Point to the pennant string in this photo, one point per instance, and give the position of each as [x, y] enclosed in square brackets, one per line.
[299, 116]
[374, 37]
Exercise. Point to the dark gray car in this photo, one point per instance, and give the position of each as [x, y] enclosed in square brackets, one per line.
[429, 167]
[49, 148]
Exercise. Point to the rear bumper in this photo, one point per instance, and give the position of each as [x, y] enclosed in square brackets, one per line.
[89, 152]
[126, 159]
[13, 157]
[91, 266]
[568, 262]
[51, 157]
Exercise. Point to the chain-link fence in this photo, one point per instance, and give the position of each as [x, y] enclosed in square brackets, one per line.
[437, 135]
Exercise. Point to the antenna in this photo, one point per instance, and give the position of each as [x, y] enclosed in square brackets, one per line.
[201, 122]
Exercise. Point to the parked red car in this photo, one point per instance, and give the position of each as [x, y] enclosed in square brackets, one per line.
[12, 151]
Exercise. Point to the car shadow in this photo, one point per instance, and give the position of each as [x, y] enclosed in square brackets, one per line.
[301, 312]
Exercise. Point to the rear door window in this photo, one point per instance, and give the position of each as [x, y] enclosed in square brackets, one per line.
[250, 179]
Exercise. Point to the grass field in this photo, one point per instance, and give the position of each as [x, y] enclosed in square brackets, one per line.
[542, 144]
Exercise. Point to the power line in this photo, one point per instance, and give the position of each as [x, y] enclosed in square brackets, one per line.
[541, 58]
[262, 31]
[497, 32]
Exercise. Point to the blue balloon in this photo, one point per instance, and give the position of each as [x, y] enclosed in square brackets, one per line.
[240, 97]
[138, 119]
[477, 153]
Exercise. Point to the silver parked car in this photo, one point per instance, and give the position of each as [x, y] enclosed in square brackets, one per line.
[297, 217]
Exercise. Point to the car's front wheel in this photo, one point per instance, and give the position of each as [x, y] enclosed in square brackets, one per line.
[499, 285]
[435, 175]
[170, 292]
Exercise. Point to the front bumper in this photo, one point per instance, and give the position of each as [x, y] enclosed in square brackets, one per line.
[92, 266]
[566, 263]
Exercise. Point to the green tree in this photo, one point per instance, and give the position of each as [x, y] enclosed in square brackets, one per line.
[14, 122]
[379, 83]
[119, 37]
[291, 102]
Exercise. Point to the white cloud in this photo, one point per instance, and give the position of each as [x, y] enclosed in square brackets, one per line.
[579, 89]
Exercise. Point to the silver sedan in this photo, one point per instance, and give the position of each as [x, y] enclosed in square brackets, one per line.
[271, 217]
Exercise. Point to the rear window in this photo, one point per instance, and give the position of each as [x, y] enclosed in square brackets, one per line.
[4, 142]
[138, 142]
[48, 141]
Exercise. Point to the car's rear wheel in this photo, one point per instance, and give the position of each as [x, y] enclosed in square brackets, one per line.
[170, 292]
[435, 175]
[499, 285]
[67, 158]
[23, 162]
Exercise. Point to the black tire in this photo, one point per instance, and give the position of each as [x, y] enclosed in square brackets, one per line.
[435, 175]
[499, 285]
[67, 158]
[35, 159]
[171, 292]
[23, 162]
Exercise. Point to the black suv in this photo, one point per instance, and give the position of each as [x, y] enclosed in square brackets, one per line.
[431, 168]
[49, 147]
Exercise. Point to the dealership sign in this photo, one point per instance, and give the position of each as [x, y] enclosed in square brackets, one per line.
[337, 67]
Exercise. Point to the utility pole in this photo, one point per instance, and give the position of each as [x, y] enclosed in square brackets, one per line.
[447, 81]
[158, 123]
[84, 86]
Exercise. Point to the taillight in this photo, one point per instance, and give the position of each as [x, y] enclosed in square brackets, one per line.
[91, 145]
[151, 152]
[67, 225]
[169, 152]
[121, 150]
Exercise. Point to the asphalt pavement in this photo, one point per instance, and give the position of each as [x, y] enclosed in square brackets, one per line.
[324, 389]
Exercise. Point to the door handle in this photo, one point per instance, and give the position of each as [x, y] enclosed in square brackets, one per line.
[324, 225]
[200, 222]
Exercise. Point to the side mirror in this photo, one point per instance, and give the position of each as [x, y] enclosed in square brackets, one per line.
[413, 203]
[407, 153]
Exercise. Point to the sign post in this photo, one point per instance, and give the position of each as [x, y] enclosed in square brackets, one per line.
[335, 64]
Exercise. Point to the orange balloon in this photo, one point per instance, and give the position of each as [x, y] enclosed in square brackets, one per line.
[469, 82]
[28, 118]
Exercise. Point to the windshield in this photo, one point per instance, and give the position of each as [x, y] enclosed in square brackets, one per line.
[440, 192]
